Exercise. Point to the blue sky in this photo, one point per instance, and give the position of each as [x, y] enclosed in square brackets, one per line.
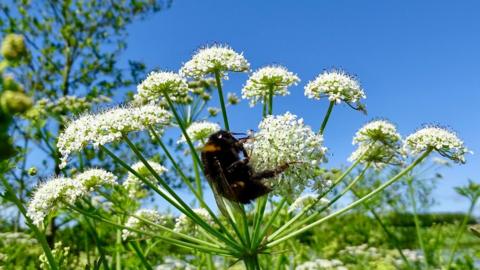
[418, 61]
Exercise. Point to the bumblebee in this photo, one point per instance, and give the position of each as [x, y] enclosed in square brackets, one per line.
[226, 166]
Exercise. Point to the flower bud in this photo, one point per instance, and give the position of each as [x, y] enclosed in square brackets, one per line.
[13, 47]
[12, 102]
[32, 171]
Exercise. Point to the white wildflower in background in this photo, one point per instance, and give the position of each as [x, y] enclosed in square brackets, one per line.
[95, 178]
[175, 264]
[184, 224]
[200, 131]
[152, 216]
[217, 58]
[134, 185]
[285, 139]
[378, 142]
[322, 264]
[108, 126]
[337, 86]
[307, 200]
[156, 83]
[49, 195]
[445, 142]
[276, 79]
[17, 238]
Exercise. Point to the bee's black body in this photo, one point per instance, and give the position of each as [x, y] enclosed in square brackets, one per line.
[226, 166]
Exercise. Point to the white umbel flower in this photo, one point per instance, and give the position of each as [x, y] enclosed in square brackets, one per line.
[378, 142]
[275, 79]
[307, 200]
[445, 142]
[108, 126]
[285, 139]
[378, 130]
[50, 195]
[337, 86]
[184, 224]
[153, 87]
[175, 264]
[217, 58]
[322, 264]
[134, 185]
[200, 131]
[94, 178]
[151, 215]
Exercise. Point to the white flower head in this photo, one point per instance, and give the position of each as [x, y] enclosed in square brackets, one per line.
[337, 86]
[152, 216]
[274, 79]
[307, 200]
[50, 194]
[134, 185]
[322, 264]
[445, 142]
[285, 139]
[184, 224]
[200, 131]
[108, 127]
[158, 82]
[377, 130]
[95, 178]
[378, 142]
[175, 264]
[216, 58]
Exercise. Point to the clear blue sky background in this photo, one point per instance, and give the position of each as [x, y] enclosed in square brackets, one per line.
[418, 61]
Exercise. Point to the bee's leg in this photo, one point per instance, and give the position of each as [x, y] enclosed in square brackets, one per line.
[269, 173]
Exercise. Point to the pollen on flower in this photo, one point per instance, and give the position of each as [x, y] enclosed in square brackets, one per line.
[136, 222]
[134, 185]
[108, 127]
[445, 142]
[95, 178]
[50, 195]
[158, 82]
[266, 80]
[285, 139]
[216, 58]
[337, 86]
[200, 131]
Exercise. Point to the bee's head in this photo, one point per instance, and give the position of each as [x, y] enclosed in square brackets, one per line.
[222, 138]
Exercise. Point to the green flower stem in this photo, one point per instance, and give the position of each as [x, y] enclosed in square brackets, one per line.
[244, 221]
[198, 181]
[258, 218]
[264, 111]
[197, 158]
[222, 102]
[389, 234]
[269, 223]
[118, 246]
[138, 251]
[97, 240]
[293, 227]
[327, 116]
[461, 229]
[10, 193]
[251, 262]
[356, 203]
[188, 212]
[416, 220]
[173, 241]
[306, 209]
[270, 100]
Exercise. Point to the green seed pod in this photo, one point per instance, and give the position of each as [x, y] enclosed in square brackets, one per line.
[32, 171]
[13, 47]
[12, 102]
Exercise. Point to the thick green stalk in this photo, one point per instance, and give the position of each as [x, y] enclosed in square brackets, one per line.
[270, 100]
[198, 181]
[10, 193]
[356, 203]
[101, 250]
[269, 223]
[461, 229]
[258, 218]
[140, 255]
[118, 251]
[251, 262]
[222, 101]
[327, 116]
[264, 105]
[417, 221]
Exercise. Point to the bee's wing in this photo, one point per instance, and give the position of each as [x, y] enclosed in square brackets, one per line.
[221, 181]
